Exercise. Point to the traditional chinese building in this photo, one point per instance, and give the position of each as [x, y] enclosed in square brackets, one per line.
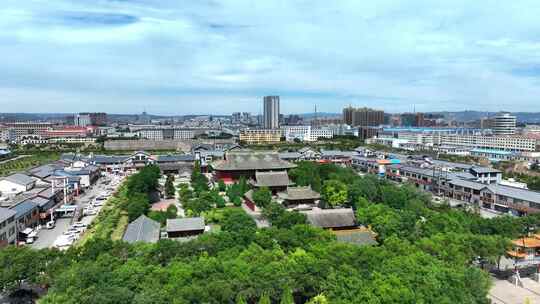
[246, 164]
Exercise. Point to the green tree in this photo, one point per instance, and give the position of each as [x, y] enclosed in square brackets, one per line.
[240, 299]
[221, 186]
[265, 299]
[334, 193]
[320, 299]
[18, 265]
[184, 193]
[279, 217]
[287, 297]
[236, 220]
[169, 186]
[137, 205]
[262, 197]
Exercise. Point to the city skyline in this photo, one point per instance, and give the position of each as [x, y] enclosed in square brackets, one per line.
[178, 59]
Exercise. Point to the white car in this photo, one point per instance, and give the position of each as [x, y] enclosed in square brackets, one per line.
[89, 211]
[63, 242]
[79, 225]
[50, 225]
[98, 203]
[72, 231]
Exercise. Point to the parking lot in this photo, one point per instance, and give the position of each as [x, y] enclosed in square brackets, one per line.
[47, 237]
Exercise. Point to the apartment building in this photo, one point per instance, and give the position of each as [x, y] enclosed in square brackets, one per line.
[363, 117]
[259, 136]
[507, 143]
[26, 129]
[167, 134]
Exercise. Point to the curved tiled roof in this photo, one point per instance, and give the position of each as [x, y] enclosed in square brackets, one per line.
[252, 161]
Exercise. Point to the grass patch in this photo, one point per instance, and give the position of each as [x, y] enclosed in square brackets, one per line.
[109, 222]
[27, 162]
[118, 233]
[215, 215]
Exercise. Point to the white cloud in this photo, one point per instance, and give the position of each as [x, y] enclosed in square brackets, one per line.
[180, 57]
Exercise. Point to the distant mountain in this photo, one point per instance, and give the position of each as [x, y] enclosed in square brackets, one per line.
[524, 117]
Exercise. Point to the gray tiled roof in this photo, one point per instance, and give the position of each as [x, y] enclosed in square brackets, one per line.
[108, 159]
[43, 171]
[48, 193]
[485, 170]
[143, 229]
[252, 161]
[185, 224]
[468, 184]
[300, 193]
[336, 153]
[175, 158]
[19, 178]
[41, 201]
[271, 179]
[331, 218]
[6, 213]
[290, 155]
[518, 193]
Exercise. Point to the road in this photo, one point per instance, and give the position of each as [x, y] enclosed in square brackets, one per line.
[503, 292]
[46, 237]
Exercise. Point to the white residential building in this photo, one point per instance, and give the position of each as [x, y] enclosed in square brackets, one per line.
[509, 143]
[306, 133]
[166, 134]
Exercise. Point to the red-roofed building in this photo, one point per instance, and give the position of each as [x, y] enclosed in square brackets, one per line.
[68, 132]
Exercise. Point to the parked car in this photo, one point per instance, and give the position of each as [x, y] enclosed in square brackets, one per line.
[89, 211]
[50, 224]
[79, 225]
[98, 203]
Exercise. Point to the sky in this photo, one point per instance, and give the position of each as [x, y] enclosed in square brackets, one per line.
[210, 56]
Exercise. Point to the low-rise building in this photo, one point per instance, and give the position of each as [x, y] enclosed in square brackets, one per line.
[246, 164]
[8, 229]
[276, 181]
[16, 183]
[525, 251]
[299, 197]
[143, 229]
[185, 227]
[334, 219]
[26, 214]
[260, 136]
[306, 133]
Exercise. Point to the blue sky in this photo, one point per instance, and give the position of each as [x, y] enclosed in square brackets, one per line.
[206, 56]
